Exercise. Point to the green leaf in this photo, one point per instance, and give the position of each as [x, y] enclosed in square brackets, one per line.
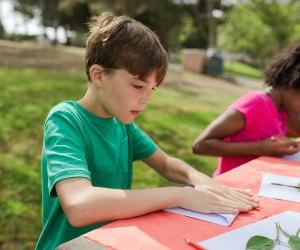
[294, 242]
[259, 242]
[281, 229]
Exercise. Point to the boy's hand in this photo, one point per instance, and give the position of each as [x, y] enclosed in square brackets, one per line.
[218, 199]
[211, 196]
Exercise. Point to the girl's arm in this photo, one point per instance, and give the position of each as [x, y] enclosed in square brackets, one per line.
[210, 141]
[293, 127]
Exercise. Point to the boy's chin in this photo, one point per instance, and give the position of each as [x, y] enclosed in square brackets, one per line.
[125, 120]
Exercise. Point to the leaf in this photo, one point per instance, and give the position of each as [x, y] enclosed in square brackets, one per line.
[259, 242]
[294, 242]
[281, 229]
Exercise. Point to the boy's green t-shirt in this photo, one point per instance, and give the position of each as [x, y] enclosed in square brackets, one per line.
[80, 144]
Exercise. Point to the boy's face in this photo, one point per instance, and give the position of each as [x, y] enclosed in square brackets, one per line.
[124, 96]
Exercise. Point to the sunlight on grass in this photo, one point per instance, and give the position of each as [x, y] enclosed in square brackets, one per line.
[238, 68]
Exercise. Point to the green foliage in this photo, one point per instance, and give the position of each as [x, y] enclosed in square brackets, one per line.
[280, 16]
[260, 28]
[260, 243]
[244, 32]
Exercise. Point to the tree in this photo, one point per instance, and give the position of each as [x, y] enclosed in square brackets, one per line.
[2, 30]
[26, 7]
[280, 16]
[204, 22]
[259, 28]
[73, 17]
[161, 16]
[244, 33]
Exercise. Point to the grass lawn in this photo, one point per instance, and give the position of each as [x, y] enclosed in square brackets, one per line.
[175, 117]
[238, 68]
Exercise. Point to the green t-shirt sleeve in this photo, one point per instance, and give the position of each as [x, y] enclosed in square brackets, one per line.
[143, 145]
[64, 149]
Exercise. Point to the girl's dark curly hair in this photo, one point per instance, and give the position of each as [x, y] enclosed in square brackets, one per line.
[284, 70]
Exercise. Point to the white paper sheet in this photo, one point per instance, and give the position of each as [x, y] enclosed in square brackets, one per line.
[279, 192]
[293, 157]
[237, 239]
[222, 219]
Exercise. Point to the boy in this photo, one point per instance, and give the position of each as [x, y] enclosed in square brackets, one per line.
[89, 145]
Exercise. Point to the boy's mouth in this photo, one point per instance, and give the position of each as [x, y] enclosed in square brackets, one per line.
[135, 112]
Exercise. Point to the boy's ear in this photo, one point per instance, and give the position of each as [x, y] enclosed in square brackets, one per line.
[96, 74]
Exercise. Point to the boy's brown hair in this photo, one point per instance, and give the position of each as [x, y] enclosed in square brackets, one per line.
[284, 70]
[120, 42]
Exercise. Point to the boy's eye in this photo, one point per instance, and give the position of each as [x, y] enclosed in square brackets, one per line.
[140, 87]
[137, 86]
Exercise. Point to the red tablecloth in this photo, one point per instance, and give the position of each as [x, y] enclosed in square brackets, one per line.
[164, 230]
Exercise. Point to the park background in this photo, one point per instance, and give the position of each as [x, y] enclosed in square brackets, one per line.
[39, 70]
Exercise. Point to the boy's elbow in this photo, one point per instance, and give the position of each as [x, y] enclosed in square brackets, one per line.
[76, 215]
[82, 215]
[75, 220]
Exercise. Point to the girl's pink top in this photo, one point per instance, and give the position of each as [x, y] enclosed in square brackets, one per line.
[262, 121]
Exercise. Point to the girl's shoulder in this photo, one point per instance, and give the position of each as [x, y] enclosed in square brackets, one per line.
[256, 96]
[253, 101]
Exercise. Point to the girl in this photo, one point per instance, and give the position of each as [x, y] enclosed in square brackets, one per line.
[256, 124]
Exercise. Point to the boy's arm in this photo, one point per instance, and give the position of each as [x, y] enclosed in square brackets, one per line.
[211, 140]
[85, 204]
[178, 171]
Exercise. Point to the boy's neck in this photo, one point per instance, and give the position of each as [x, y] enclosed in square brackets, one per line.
[91, 103]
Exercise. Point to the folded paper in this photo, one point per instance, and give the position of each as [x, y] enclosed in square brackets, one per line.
[221, 219]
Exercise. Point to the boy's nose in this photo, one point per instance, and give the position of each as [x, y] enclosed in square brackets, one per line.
[146, 98]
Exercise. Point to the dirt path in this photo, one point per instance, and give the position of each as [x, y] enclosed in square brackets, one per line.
[205, 82]
[28, 54]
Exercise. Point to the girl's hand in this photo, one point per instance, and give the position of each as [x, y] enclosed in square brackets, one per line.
[279, 146]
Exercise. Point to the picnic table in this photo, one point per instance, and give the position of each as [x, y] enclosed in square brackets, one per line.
[163, 230]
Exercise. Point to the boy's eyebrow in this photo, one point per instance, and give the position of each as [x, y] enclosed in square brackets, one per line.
[143, 81]
[139, 79]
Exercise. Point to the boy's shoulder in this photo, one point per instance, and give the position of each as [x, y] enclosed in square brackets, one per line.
[62, 108]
